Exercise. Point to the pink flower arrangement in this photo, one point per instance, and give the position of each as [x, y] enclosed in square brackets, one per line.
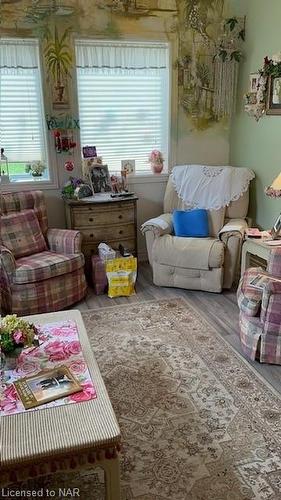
[19, 337]
[16, 333]
[156, 157]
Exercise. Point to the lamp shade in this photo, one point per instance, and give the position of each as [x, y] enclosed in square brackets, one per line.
[274, 191]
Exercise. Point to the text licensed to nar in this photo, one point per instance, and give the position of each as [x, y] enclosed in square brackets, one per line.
[44, 493]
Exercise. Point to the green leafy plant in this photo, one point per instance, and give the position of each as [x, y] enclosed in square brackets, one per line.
[58, 57]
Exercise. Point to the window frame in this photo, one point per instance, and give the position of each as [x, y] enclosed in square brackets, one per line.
[172, 94]
[32, 183]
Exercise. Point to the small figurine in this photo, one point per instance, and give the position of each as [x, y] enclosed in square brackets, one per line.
[4, 172]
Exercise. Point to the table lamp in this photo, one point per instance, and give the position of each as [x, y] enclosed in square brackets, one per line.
[274, 191]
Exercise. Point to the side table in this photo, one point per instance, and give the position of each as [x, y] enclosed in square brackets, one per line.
[102, 218]
[253, 247]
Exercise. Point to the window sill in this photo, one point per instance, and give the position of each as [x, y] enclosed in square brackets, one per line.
[147, 178]
[28, 186]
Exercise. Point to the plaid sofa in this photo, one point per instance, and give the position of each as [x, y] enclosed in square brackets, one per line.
[40, 274]
[260, 313]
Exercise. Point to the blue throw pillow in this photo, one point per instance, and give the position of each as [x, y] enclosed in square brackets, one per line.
[191, 223]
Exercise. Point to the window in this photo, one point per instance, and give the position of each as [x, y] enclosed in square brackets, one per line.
[123, 94]
[22, 127]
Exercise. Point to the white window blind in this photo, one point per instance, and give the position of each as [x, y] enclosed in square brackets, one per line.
[22, 128]
[123, 93]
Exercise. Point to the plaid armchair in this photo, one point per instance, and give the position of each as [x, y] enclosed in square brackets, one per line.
[260, 313]
[42, 269]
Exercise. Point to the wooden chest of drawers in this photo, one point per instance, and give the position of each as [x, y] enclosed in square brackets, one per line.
[113, 221]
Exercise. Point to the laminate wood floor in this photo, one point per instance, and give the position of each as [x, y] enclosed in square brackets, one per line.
[220, 310]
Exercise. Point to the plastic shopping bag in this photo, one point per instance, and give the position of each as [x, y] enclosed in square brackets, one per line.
[121, 275]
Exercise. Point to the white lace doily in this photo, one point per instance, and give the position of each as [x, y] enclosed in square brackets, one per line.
[211, 188]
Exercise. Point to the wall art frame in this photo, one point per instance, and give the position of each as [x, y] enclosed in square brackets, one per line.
[273, 96]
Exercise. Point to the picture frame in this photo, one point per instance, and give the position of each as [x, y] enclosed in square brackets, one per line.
[47, 386]
[273, 97]
[89, 151]
[60, 95]
[276, 229]
[254, 78]
[128, 166]
[99, 179]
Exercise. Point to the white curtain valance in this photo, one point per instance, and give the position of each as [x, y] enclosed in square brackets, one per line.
[104, 57]
[17, 55]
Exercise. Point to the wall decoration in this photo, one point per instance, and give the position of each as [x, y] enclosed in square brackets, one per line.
[69, 166]
[267, 97]
[210, 52]
[254, 78]
[273, 98]
[64, 141]
[64, 122]
[59, 63]
[89, 151]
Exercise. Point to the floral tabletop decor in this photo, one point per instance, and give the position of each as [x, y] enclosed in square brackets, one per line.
[69, 188]
[16, 334]
[156, 161]
[36, 168]
[58, 345]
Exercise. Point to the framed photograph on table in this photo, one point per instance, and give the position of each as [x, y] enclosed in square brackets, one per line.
[47, 386]
[273, 101]
[276, 230]
[100, 179]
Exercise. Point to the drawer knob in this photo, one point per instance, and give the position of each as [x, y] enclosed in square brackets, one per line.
[120, 216]
[91, 235]
[121, 231]
[91, 219]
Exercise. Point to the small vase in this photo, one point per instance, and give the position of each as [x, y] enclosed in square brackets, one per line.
[9, 361]
[36, 175]
[2, 361]
[157, 167]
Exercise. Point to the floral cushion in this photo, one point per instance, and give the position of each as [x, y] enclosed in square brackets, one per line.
[45, 265]
[21, 233]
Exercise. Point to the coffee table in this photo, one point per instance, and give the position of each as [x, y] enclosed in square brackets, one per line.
[63, 438]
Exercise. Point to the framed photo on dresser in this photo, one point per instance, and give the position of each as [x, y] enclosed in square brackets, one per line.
[100, 179]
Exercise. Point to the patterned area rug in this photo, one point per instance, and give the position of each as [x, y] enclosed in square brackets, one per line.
[197, 422]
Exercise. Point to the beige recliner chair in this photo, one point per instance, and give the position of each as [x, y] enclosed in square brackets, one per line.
[197, 263]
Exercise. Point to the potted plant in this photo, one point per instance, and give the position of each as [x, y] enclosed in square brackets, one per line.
[156, 161]
[59, 62]
[36, 168]
[15, 335]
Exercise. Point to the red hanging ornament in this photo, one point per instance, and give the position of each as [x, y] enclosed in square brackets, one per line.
[69, 166]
